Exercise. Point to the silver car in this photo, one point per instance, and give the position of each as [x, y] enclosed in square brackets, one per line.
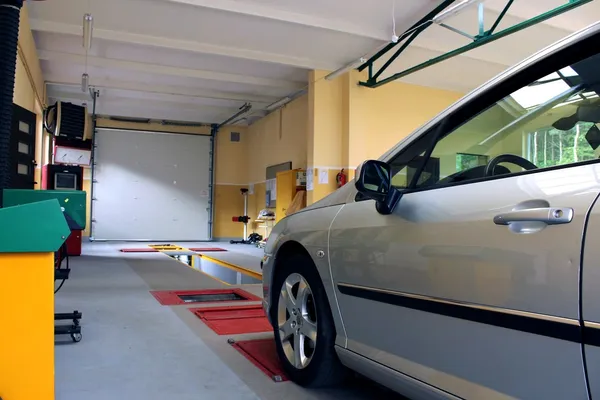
[465, 262]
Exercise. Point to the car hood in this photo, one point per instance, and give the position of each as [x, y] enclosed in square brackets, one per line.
[340, 196]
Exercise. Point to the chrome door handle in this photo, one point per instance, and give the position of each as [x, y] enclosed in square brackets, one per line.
[547, 215]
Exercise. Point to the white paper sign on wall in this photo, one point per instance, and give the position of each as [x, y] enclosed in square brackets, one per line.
[310, 176]
[323, 176]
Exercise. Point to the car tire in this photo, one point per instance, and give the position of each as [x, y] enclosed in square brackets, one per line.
[324, 367]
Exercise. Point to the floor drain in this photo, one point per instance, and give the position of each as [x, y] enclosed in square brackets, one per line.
[178, 297]
[209, 298]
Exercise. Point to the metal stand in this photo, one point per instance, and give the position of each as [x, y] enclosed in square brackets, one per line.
[243, 219]
[72, 329]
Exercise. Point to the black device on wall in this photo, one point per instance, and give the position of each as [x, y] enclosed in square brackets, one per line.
[62, 177]
[67, 120]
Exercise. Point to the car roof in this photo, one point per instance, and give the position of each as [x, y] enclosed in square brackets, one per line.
[497, 80]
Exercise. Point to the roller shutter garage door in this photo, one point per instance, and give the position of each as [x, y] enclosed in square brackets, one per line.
[151, 186]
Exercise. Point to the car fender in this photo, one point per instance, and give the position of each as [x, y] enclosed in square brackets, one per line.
[310, 230]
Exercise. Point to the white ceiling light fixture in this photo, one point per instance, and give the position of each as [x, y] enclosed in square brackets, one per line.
[85, 83]
[454, 10]
[278, 103]
[346, 68]
[88, 27]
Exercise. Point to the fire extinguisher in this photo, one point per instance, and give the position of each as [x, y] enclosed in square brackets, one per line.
[340, 179]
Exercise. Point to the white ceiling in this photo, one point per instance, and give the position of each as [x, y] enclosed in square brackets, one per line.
[201, 60]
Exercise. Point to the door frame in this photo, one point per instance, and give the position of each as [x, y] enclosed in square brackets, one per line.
[19, 180]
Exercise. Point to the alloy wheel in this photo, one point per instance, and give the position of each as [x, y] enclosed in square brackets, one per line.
[297, 321]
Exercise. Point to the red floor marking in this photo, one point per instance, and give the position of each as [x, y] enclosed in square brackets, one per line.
[206, 249]
[171, 297]
[234, 320]
[263, 355]
[142, 250]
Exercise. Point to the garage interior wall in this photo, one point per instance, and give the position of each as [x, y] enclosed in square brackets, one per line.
[338, 124]
[29, 90]
[349, 123]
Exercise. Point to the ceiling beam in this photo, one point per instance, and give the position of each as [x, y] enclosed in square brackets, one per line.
[523, 10]
[102, 62]
[149, 108]
[53, 79]
[314, 21]
[40, 25]
[63, 93]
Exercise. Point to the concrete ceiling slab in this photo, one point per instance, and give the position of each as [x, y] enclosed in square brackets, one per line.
[199, 60]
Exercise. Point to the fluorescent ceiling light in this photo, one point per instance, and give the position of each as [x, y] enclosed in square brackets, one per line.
[85, 83]
[347, 68]
[88, 26]
[454, 10]
[278, 103]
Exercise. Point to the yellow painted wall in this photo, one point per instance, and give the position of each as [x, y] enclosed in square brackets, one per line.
[328, 121]
[279, 137]
[29, 89]
[349, 124]
[385, 115]
[231, 175]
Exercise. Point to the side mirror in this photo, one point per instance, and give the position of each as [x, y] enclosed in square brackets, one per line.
[374, 181]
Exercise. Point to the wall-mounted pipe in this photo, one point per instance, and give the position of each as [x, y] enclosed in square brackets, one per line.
[95, 94]
[243, 110]
[211, 181]
[10, 11]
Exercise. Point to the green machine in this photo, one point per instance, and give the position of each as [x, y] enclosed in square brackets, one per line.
[32, 228]
[57, 211]
[72, 202]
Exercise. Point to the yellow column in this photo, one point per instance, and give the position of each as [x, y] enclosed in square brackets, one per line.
[27, 326]
[325, 131]
[31, 232]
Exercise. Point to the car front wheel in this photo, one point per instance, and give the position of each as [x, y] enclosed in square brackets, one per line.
[304, 331]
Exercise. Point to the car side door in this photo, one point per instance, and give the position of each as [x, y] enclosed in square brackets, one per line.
[471, 283]
[591, 299]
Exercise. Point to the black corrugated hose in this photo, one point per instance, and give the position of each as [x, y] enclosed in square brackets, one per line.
[9, 35]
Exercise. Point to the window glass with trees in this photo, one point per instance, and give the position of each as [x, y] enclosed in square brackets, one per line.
[551, 122]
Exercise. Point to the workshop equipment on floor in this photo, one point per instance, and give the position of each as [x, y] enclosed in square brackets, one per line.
[73, 208]
[31, 234]
[254, 238]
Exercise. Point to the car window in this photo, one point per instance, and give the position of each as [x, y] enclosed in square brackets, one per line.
[551, 122]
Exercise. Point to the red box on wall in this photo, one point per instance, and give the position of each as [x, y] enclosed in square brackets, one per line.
[74, 243]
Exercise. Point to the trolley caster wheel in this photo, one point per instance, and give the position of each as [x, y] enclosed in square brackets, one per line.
[76, 337]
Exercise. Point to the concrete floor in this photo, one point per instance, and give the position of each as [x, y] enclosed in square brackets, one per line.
[135, 348]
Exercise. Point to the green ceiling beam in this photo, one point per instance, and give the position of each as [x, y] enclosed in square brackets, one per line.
[479, 40]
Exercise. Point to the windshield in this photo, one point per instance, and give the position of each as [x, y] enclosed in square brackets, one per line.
[550, 122]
